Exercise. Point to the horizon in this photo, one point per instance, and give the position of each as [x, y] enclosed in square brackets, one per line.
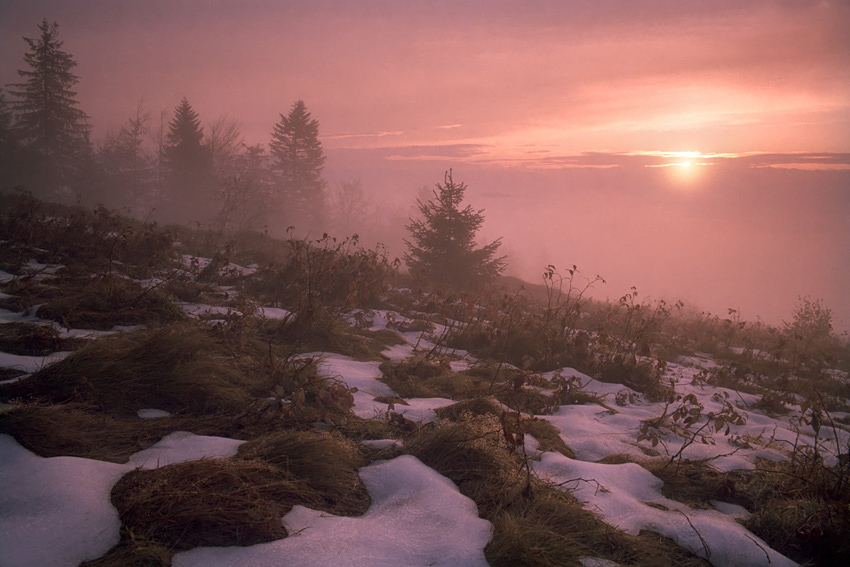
[698, 152]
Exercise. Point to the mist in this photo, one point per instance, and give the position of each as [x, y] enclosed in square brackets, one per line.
[753, 239]
[570, 123]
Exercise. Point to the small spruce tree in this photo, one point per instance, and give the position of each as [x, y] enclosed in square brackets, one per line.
[126, 169]
[298, 159]
[188, 166]
[442, 250]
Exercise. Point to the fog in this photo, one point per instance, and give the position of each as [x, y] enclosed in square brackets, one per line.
[754, 239]
[570, 123]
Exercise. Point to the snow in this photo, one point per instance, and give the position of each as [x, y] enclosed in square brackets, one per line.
[596, 562]
[397, 353]
[206, 311]
[417, 518]
[94, 334]
[381, 444]
[47, 520]
[202, 310]
[151, 413]
[29, 364]
[365, 377]
[7, 316]
[273, 312]
[733, 510]
[38, 504]
[182, 446]
[620, 495]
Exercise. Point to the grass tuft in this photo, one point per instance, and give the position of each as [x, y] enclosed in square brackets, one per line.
[177, 368]
[214, 502]
[327, 462]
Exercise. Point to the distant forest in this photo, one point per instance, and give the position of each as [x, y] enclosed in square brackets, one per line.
[181, 172]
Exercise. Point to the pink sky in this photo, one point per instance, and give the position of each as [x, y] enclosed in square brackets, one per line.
[556, 114]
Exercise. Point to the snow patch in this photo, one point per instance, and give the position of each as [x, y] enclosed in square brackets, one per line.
[417, 518]
[621, 495]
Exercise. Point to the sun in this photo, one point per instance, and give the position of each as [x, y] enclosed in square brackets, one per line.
[685, 173]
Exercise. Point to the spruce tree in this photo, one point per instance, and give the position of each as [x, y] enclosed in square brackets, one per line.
[443, 250]
[188, 165]
[126, 168]
[53, 130]
[8, 147]
[298, 159]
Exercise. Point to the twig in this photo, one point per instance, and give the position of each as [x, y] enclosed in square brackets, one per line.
[699, 535]
[760, 547]
[590, 481]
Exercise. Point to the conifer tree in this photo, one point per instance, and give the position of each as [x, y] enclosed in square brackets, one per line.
[8, 146]
[188, 164]
[126, 168]
[443, 250]
[54, 131]
[298, 159]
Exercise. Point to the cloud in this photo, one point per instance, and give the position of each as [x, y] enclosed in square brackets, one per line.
[807, 161]
[436, 152]
[545, 158]
[363, 135]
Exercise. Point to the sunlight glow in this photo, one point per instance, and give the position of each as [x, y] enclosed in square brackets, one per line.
[685, 173]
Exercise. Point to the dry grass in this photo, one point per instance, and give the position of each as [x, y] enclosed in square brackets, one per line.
[421, 378]
[76, 430]
[534, 524]
[696, 483]
[105, 302]
[32, 339]
[76, 298]
[548, 437]
[471, 408]
[177, 368]
[800, 510]
[327, 462]
[239, 501]
[134, 551]
[218, 502]
[320, 330]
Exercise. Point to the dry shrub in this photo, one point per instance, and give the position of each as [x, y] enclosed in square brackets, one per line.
[177, 368]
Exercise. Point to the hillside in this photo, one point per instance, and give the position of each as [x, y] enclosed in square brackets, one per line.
[177, 397]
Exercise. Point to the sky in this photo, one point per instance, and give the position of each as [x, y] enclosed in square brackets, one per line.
[699, 150]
